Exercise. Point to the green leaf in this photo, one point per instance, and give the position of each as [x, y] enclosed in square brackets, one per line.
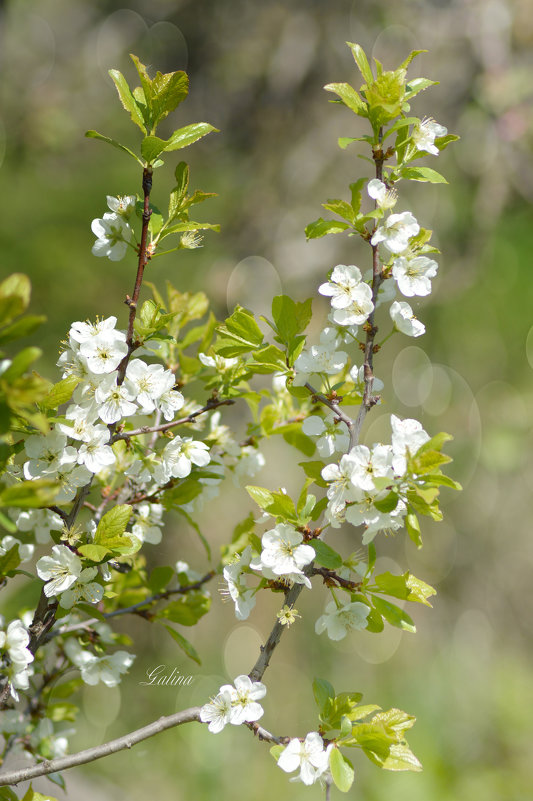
[20, 363]
[314, 470]
[10, 560]
[361, 61]
[111, 528]
[146, 84]
[114, 143]
[342, 208]
[388, 503]
[61, 392]
[160, 577]
[188, 610]
[290, 317]
[423, 174]
[394, 615]
[127, 99]
[96, 553]
[15, 291]
[30, 494]
[185, 645]
[168, 91]
[405, 122]
[239, 331]
[349, 97]
[6, 794]
[418, 590]
[151, 147]
[417, 85]
[322, 227]
[342, 770]
[401, 758]
[186, 136]
[413, 529]
[325, 555]
[323, 692]
[436, 443]
[21, 328]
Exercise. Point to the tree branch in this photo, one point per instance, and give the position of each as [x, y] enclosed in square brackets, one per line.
[291, 596]
[143, 261]
[159, 596]
[211, 404]
[334, 405]
[99, 751]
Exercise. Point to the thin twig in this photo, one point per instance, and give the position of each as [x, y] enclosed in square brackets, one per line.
[334, 405]
[159, 596]
[211, 404]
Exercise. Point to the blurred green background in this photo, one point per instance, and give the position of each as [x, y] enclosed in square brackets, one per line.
[256, 71]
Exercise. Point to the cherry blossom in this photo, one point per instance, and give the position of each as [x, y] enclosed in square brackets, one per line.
[413, 275]
[404, 319]
[395, 231]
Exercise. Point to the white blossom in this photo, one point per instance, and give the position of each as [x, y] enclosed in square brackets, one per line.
[149, 382]
[413, 275]
[367, 464]
[218, 711]
[359, 309]
[178, 458]
[95, 453]
[284, 552]
[40, 521]
[84, 589]
[332, 433]
[25, 550]
[147, 523]
[104, 351]
[309, 756]
[234, 576]
[338, 619]
[405, 321]
[60, 571]
[82, 332]
[114, 400]
[123, 205]
[107, 669]
[424, 135]
[245, 707]
[14, 641]
[339, 477]
[407, 437]
[342, 286]
[385, 198]
[113, 234]
[48, 454]
[395, 231]
[323, 358]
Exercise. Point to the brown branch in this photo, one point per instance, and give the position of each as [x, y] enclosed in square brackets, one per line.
[334, 405]
[99, 751]
[159, 596]
[141, 264]
[212, 403]
[331, 579]
[266, 650]
[371, 330]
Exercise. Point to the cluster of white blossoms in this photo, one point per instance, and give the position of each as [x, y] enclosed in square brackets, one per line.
[236, 704]
[108, 669]
[352, 490]
[15, 657]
